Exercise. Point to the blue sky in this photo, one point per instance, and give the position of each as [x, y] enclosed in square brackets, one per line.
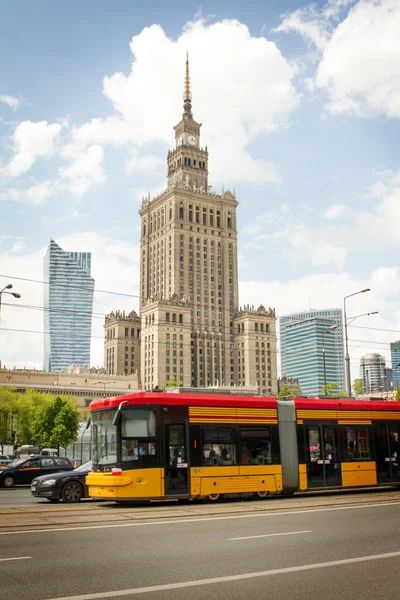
[300, 106]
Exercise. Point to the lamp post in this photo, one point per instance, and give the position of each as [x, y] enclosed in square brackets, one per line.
[329, 330]
[103, 383]
[347, 357]
[4, 291]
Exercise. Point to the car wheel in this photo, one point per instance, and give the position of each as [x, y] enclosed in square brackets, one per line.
[8, 481]
[72, 492]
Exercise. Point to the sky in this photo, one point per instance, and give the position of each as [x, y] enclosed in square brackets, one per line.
[300, 106]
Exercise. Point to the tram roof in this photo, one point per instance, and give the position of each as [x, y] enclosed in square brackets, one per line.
[190, 399]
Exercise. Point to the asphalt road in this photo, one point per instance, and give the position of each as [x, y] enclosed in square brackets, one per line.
[311, 553]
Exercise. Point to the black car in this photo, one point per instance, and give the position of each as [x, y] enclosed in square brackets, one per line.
[68, 486]
[23, 470]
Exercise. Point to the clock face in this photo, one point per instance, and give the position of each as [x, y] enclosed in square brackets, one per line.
[191, 140]
[179, 141]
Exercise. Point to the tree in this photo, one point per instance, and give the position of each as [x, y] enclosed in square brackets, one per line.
[332, 390]
[397, 395]
[358, 387]
[172, 383]
[286, 392]
[56, 423]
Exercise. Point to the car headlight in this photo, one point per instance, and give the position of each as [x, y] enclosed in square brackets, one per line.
[48, 482]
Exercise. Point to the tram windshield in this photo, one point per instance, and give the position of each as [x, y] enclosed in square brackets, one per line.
[104, 440]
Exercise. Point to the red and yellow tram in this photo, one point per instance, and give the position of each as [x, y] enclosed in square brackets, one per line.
[151, 445]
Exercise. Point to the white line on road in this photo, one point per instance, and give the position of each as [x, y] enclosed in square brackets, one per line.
[16, 558]
[259, 515]
[252, 537]
[227, 579]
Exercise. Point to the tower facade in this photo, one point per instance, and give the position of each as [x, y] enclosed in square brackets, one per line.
[122, 343]
[68, 306]
[189, 271]
[395, 356]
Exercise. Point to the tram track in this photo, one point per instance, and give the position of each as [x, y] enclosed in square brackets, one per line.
[86, 514]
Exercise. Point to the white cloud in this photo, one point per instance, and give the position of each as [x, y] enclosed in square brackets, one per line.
[360, 56]
[11, 101]
[331, 243]
[85, 171]
[150, 164]
[247, 93]
[34, 195]
[31, 141]
[336, 211]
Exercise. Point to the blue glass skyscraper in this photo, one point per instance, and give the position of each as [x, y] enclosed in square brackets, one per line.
[68, 306]
[395, 355]
[302, 339]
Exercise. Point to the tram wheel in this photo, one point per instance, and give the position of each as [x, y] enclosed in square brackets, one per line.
[213, 497]
[260, 495]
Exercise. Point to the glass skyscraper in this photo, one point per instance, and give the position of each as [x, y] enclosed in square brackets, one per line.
[395, 354]
[302, 339]
[68, 306]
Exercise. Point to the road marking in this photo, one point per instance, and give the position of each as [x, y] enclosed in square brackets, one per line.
[252, 537]
[15, 558]
[201, 519]
[228, 579]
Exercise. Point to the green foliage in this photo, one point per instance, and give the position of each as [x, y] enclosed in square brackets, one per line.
[397, 395]
[285, 392]
[332, 390]
[56, 423]
[358, 387]
[19, 411]
[172, 383]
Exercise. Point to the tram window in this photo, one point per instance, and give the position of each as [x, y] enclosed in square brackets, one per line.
[256, 447]
[356, 444]
[138, 422]
[136, 449]
[218, 446]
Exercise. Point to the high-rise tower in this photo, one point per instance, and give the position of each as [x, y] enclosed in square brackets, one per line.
[68, 305]
[189, 273]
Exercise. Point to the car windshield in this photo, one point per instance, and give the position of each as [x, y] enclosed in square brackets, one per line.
[16, 462]
[85, 467]
[104, 440]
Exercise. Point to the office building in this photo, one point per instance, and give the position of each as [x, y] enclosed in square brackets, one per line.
[68, 305]
[374, 374]
[311, 346]
[395, 355]
[192, 328]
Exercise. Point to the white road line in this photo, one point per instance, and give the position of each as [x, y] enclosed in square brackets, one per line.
[252, 537]
[201, 519]
[16, 558]
[227, 579]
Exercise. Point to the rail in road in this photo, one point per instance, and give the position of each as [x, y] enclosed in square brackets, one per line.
[87, 514]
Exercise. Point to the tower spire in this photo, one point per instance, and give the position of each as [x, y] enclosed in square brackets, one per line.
[187, 96]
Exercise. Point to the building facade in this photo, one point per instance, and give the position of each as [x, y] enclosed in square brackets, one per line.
[311, 346]
[68, 306]
[395, 355]
[374, 374]
[122, 343]
[191, 325]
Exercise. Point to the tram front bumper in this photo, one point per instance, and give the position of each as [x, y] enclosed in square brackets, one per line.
[106, 485]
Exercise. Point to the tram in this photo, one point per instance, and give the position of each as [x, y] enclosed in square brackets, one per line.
[160, 445]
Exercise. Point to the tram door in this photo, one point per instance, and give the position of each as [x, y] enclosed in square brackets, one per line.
[176, 458]
[387, 449]
[323, 465]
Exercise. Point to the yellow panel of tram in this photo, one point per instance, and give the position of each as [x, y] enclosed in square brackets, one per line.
[358, 474]
[303, 477]
[138, 483]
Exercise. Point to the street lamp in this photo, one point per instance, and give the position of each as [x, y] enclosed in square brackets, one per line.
[3, 291]
[104, 383]
[347, 358]
[329, 330]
